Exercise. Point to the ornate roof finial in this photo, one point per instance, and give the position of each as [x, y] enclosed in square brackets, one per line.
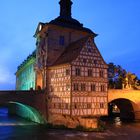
[65, 8]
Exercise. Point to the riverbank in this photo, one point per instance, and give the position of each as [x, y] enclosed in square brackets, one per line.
[15, 128]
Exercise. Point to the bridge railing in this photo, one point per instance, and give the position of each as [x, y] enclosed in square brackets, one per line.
[22, 92]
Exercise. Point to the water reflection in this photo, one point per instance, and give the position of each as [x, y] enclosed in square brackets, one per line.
[117, 121]
[3, 111]
[6, 120]
[16, 128]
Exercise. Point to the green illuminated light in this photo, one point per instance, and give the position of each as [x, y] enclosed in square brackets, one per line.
[26, 111]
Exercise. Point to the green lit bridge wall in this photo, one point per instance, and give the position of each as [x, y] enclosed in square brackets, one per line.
[25, 75]
[25, 111]
[31, 105]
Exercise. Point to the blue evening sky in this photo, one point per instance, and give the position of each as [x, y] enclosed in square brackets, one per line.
[116, 21]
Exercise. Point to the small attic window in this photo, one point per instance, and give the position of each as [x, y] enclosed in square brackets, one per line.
[61, 40]
[89, 50]
[89, 44]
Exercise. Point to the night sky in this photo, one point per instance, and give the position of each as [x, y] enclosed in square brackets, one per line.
[117, 23]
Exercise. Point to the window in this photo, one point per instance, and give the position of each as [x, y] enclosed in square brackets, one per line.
[101, 73]
[89, 72]
[89, 50]
[83, 87]
[102, 88]
[84, 105]
[67, 87]
[78, 72]
[51, 89]
[95, 61]
[56, 75]
[89, 46]
[75, 106]
[51, 74]
[76, 87]
[67, 72]
[54, 105]
[93, 87]
[89, 105]
[101, 105]
[84, 60]
[62, 106]
[61, 40]
[66, 106]
[90, 61]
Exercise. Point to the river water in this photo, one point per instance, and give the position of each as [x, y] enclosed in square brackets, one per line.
[16, 128]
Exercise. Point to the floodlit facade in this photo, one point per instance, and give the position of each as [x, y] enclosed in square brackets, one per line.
[77, 82]
[25, 75]
[69, 67]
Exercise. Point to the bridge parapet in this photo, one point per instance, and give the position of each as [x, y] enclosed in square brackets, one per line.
[22, 92]
[133, 95]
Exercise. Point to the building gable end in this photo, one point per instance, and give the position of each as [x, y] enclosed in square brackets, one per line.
[89, 55]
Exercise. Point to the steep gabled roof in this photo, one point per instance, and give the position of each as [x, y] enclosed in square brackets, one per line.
[71, 23]
[65, 19]
[71, 52]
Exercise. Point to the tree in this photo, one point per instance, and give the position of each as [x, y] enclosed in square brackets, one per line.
[119, 78]
[116, 76]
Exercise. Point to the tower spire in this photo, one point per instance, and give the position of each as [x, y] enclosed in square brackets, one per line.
[65, 8]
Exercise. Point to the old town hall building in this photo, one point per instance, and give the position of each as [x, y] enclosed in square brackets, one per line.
[68, 66]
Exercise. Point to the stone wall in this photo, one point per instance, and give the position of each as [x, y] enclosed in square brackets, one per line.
[73, 122]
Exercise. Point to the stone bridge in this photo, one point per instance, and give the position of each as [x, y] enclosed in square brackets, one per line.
[128, 101]
[33, 105]
[27, 104]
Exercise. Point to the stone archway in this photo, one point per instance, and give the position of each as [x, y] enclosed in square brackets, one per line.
[125, 106]
[25, 111]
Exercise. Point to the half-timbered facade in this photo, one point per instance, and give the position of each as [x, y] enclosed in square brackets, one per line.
[60, 89]
[89, 82]
[69, 67]
[78, 81]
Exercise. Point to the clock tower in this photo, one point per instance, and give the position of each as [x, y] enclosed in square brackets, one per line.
[54, 37]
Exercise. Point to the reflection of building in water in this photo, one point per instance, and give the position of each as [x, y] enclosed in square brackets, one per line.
[70, 67]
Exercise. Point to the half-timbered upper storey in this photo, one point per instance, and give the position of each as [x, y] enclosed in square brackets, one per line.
[81, 74]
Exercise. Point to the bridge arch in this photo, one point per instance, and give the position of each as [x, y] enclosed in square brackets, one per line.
[126, 107]
[25, 111]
